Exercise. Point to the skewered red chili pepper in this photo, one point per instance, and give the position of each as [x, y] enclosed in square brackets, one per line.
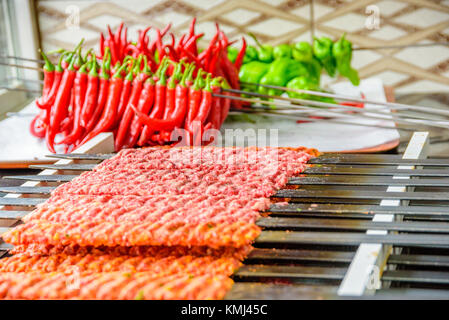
[49, 77]
[60, 108]
[145, 104]
[170, 91]
[194, 100]
[90, 101]
[102, 95]
[177, 115]
[66, 61]
[206, 102]
[159, 105]
[79, 88]
[189, 79]
[128, 115]
[50, 99]
[108, 118]
[215, 113]
[124, 97]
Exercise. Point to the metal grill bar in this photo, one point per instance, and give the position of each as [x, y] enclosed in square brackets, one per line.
[9, 214]
[73, 167]
[367, 181]
[82, 156]
[290, 272]
[326, 224]
[357, 194]
[351, 239]
[377, 160]
[24, 202]
[292, 255]
[377, 171]
[434, 277]
[300, 208]
[27, 190]
[44, 178]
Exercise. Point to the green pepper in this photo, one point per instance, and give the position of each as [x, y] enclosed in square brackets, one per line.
[264, 52]
[232, 53]
[250, 54]
[302, 51]
[314, 67]
[305, 83]
[282, 51]
[252, 72]
[342, 52]
[322, 49]
[280, 72]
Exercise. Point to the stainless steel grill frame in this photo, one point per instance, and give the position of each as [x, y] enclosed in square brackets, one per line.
[362, 233]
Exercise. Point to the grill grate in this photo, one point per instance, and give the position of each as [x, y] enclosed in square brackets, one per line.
[307, 246]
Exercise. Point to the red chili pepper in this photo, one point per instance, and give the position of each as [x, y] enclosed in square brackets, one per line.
[124, 42]
[102, 96]
[108, 118]
[50, 98]
[144, 105]
[232, 76]
[118, 35]
[39, 124]
[170, 92]
[60, 108]
[239, 60]
[124, 97]
[211, 66]
[191, 44]
[101, 45]
[206, 102]
[80, 85]
[49, 77]
[159, 104]
[90, 101]
[194, 100]
[215, 113]
[155, 41]
[128, 115]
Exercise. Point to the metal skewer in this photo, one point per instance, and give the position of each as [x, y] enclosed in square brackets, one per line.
[20, 66]
[391, 105]
[305, 103]
[271, 113]
[20, 58]
[398, 120]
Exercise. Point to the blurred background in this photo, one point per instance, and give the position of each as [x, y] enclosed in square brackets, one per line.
[415, 74]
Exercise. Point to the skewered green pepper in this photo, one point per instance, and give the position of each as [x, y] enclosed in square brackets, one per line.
[322, 49]
[280, 72]
[342, 51]
[302, 51]
[250, 54]
[282, 51]
[304, 83]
